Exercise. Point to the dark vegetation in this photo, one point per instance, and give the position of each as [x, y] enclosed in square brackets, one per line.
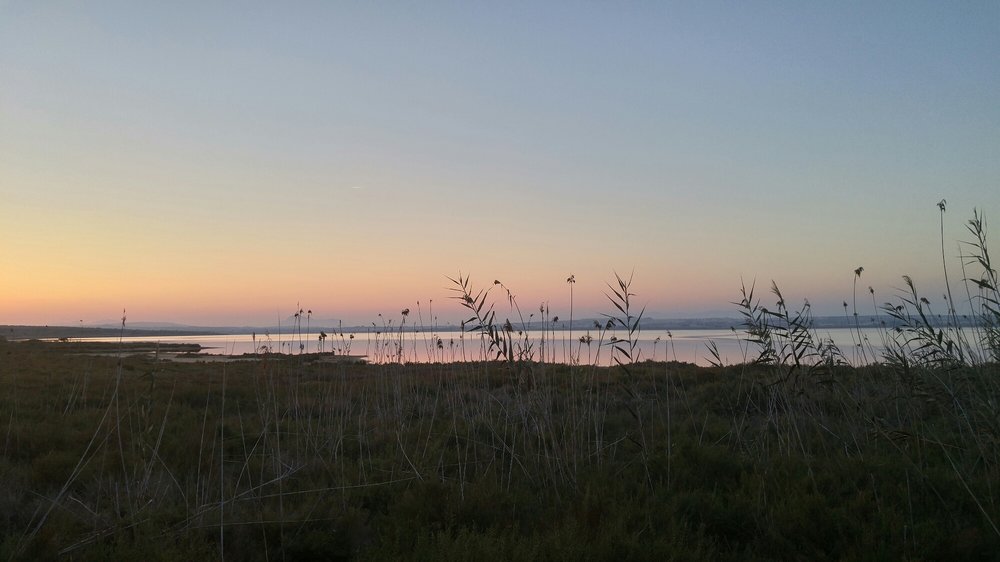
[793, 455]
[284, 457]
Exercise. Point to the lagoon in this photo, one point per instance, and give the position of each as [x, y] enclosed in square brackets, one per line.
[562, 346]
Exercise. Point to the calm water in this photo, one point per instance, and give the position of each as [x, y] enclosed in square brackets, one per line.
[681, 345]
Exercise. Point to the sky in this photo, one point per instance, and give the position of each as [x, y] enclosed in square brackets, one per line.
[224, 163]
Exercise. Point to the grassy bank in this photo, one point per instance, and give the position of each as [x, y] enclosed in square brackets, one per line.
[290, 458]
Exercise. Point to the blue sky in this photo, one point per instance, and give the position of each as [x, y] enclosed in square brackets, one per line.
[219, 163]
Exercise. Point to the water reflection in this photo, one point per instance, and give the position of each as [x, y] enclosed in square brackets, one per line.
[690, 346]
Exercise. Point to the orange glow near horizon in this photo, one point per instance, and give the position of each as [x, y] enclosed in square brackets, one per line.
[43, 294]
[220, 297]
[70, 271]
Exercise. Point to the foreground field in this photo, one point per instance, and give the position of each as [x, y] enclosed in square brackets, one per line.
[292, 458]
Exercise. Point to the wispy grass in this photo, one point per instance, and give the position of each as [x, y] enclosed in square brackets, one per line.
[299, 459]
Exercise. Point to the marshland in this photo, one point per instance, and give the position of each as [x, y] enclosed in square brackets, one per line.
[387, 280]
[797, 452]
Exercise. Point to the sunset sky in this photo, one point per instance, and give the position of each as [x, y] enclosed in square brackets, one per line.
[216, 163]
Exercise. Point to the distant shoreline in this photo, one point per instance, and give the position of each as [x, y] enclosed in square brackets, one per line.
[14, 333]
[21, 332]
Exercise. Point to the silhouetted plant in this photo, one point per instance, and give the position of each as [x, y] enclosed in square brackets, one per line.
[986, 302]
[917, 339]
[624, 349]
[571, 281]
[860, 343]
[500, 338]
[784, 338]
